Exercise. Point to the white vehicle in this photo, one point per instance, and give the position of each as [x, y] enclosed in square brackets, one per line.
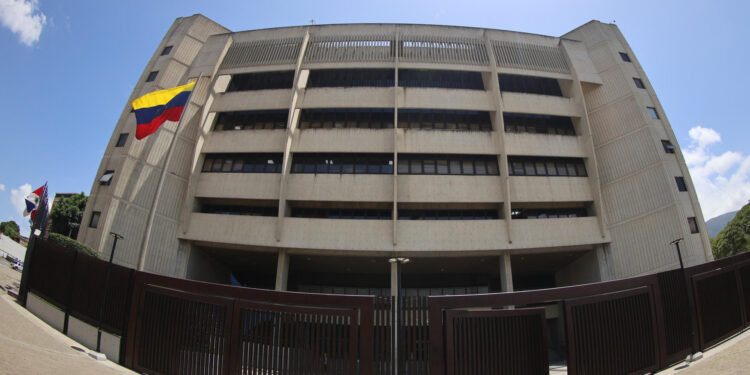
[17, 265]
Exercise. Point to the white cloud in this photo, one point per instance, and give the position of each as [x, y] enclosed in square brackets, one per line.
[24, 18]
[2, 187]
[18, 197]
[722, 182]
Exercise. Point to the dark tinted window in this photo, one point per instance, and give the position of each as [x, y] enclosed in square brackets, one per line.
[680, 183]
[166, 50]
[447, 79]
[351, 78]
[693, 225]
[271, 119]
[668, 147]
[444, 120]
[529, 85]
[543, 124]
[624, 56]
[94, 221]
[243, 163]
[342, 163]
[448, 164]
[121, 140]
[544, 166]
[151, 76]
[261, 81]
[638, 83]
[339, 118]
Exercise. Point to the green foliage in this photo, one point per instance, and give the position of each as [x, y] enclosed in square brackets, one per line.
[10, 229]
[70, 243]
[735, 238]
[67, 214]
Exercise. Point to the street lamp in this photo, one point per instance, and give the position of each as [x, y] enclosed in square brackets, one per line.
[397, 329]
[106, 289]
[691, 306]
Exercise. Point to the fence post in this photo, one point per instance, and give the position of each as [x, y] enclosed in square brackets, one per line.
[69, 298]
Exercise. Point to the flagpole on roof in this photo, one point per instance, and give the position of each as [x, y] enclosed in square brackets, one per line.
[152, 212]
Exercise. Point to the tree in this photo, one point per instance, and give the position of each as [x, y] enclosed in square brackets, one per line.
[67, 214]
[10, 229]
[735, 237]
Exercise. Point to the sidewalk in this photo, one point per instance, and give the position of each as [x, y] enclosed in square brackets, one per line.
[29, 346]
[728, 358]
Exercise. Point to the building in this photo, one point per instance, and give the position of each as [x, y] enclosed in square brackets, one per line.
[308, 156]
[11, 248]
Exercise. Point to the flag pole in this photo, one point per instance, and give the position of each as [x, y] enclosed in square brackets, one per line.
[23, 288]
[152, 212]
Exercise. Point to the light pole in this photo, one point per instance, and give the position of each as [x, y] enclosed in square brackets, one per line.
[106, 289]
[691, 305]
[397, 329]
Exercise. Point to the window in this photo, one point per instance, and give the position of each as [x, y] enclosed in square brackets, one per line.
[693, 225]
[261, 81]
[652, 112]
[240, 210]
[624, 56]
[151, 76]
[106, 178]
[448, 164]
[351, 78]
[350, 118]
[541, 166]
[529, 85]
[446, 79]
[166, 50]
[121, 140]
[342, 163]
[94, 222]
[444, 120]
[638, 83]
[547, 213]
[668, 147]
[543, 124]
[245, 120]
[680, 183]
[342, 213]
[243, 163]
[452, 214]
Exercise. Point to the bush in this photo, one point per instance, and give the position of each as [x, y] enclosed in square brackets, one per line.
[70, 243]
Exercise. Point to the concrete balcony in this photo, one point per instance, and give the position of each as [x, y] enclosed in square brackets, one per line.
[232, 229]
[245, 141]
[550, 233]
[540, 104]
[435, 98]
[252, 100]
[451, 235]
[544, 145]
[238, 185]
[337, 234]
[347, 97]
[550, 189]
[446, 141]
[425, 189]
[340, 187]
[344, 140]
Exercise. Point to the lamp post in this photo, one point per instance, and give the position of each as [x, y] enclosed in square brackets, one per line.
[397, 329]
[691, 305]
[106, 289]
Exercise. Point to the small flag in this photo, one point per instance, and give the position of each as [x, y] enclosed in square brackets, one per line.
[32, 202]
[153, 109]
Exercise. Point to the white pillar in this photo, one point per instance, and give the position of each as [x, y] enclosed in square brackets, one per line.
[282, 270]
[506, 273]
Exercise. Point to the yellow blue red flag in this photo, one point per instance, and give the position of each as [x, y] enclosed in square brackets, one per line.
[151, 110]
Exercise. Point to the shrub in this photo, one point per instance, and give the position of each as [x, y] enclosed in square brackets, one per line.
[70, 243]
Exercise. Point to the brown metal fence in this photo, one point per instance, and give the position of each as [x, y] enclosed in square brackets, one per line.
[175, 326]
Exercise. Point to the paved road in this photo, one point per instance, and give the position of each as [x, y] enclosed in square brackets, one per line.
[730, 358]
[30, 346]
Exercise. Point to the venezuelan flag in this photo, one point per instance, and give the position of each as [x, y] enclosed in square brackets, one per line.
[151, 110]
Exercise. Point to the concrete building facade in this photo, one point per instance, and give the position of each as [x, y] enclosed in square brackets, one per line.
[308, 156]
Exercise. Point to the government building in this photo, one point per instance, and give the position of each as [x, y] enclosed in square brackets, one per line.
[309, 156]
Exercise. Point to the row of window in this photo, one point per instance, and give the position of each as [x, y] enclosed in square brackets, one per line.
[337, 118]
[444, 119]
[541, 166]
[448, 164]
[448, 79]
[240, 210]
[343, 163]
[243, 163]
[448, 214]
[547, 213]
[342, 213]
[544, 124]
[267, 119]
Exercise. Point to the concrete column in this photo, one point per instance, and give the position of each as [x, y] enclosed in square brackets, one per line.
[282, 270]
[506, 273]
[394, 279]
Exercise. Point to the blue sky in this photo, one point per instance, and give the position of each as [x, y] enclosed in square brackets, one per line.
[68, 68]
